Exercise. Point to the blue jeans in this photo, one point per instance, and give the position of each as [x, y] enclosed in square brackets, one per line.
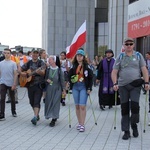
[79, 93]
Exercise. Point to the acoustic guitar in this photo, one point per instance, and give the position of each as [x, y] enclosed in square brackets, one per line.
[25, 80]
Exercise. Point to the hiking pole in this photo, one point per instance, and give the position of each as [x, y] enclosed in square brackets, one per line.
[69, 108]
[115, 110]
[145, 111]
[92, 110]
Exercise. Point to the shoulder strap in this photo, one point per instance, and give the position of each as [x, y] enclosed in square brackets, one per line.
[59, 77]
[138, 55]
[121, 56]
[29, 63]
[39, 62]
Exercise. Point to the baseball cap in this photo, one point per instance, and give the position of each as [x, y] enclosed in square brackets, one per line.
[35, 51]
[80, 52]
[128, 39]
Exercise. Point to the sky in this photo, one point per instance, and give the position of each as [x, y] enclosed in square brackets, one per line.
[21, 23]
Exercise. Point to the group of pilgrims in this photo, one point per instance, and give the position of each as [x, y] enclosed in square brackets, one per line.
[53, 77]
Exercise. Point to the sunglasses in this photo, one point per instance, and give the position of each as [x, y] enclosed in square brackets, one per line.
[127, 44]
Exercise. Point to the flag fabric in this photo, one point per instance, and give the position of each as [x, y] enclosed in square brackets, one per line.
[122, 49]
[78, 40]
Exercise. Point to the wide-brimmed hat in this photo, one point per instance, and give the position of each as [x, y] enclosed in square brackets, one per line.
[109, 51]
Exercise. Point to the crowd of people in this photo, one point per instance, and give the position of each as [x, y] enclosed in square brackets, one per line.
[51, 77]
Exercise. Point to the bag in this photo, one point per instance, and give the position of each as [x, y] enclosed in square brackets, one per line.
[74, 78]
[66, 75]
[42, 85]
[137, 82]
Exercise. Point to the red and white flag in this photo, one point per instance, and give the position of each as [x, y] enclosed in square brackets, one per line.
[78, 40]
[122, 49]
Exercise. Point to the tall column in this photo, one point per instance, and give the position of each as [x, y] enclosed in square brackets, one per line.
[118, 10]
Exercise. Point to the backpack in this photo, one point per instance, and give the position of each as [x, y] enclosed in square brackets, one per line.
[122, 55]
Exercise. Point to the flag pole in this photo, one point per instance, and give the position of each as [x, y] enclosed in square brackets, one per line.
[86, 40]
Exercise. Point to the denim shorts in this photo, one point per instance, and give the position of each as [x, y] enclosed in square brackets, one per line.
[79, 93]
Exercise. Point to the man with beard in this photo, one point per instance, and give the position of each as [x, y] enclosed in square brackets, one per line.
[106, 92]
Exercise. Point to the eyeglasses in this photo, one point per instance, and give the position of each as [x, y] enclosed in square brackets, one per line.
[127, 44]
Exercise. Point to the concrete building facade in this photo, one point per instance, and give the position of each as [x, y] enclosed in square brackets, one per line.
[61, 20]
[117, 23]
[107, 25]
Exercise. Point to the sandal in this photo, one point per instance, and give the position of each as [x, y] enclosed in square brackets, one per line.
[82, 129]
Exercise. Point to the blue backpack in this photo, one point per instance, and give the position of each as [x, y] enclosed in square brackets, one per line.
[122, 55]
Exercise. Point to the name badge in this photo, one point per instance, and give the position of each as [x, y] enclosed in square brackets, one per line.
[81, 79]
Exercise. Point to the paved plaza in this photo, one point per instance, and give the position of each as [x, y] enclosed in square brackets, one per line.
[19, 134]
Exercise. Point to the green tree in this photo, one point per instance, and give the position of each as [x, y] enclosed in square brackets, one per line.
[101, 50]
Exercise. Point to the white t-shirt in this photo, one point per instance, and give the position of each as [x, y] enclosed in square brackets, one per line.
[63, 64]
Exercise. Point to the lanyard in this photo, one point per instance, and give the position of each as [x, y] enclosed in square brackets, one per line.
[52, 73]
[79, 70]
[127, 61]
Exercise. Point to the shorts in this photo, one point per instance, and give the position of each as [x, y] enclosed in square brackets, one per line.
[79, 93]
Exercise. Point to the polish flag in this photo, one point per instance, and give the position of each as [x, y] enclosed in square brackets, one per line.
[78, 40]
[122, 49]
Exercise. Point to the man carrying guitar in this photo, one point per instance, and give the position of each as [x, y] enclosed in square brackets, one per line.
[36, 76]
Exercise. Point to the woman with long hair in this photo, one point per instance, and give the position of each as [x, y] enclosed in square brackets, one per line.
[80, 78]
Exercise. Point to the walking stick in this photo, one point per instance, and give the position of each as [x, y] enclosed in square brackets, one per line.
[69, 108]
[146, 97]
[93, 110]
[115, 109]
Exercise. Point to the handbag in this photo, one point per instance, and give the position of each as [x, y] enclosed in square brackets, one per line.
[74, 78]
[137, 82]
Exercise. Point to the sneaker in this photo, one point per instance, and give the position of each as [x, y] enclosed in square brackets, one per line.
[63, 103]
[78, 127]
[82, 129]
[126, 135]
[110, 106]
[52, 123]
[135, 130]
[38, 118]
[9, 101]
[34, 120]
[102, 107]
[14, 115]
[2, 118]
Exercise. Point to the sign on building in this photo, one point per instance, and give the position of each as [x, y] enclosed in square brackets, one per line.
[139, 19]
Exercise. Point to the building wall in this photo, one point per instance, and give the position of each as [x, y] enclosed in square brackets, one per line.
[61, 20]
[118, 10]
[2, 47]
